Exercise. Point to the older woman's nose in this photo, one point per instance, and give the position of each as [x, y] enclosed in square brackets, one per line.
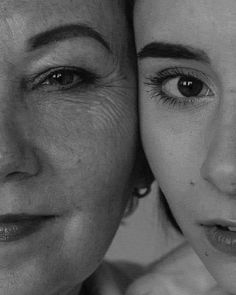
[219, 166]
[17, 158]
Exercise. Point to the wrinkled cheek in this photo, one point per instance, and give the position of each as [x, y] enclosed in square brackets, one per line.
[79, 132]
[116, 114]
[95, 174]
[89, 151]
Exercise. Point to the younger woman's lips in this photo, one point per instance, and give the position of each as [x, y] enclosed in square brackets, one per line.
[222, 236]
[16, 227]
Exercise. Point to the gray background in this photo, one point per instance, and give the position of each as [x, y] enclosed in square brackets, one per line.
[144, 236]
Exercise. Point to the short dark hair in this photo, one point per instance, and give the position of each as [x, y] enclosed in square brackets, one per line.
[129, 6]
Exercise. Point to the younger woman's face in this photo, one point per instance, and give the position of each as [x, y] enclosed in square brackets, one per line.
[187, 72]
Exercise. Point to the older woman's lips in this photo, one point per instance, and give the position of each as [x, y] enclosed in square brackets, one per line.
[222, 235]
[15, 227]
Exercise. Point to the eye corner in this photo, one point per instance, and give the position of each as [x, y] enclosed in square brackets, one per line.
[62, 78]
[180, 86]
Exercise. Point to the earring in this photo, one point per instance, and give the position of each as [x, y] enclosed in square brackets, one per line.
[137, 193]
[141, 192]
[131, 206]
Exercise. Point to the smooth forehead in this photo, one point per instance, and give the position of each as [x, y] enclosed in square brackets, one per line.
[201, 23]
[26, 18]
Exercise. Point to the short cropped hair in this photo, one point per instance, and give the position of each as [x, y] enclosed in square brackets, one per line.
[129, 6]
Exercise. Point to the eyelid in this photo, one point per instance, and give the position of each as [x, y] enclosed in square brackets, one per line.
[69, 53]
[178, 71]
[155, 81]
[173, 72]
[33, 81]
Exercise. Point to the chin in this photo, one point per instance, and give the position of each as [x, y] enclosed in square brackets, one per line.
[227, 281]
[222, 267]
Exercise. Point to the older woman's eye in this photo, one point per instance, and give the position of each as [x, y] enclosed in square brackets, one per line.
[180, 86]
[63, 79]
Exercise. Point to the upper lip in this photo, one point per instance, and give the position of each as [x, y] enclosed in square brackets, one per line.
[11, 218]
[219, 222]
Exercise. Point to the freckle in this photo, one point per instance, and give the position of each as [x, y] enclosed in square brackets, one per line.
[206, 254]
[192, 183]
[79, 161]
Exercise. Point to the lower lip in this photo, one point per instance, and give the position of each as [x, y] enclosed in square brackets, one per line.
[222, 239]
[19, 229]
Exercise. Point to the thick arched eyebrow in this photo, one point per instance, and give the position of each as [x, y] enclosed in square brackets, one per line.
[63, 32]
[175, 51]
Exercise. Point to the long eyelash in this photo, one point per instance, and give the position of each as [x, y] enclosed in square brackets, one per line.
[156, 85]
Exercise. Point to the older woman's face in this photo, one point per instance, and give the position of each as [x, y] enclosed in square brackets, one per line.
[188, 113]
[67, 139]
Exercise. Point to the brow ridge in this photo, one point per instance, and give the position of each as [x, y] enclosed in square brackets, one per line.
[64, 32]
[172, 50]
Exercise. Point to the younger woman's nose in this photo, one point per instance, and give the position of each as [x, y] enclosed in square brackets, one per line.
[219, 166]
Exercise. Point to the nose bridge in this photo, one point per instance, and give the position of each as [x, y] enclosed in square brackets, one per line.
[10, 148]
[16, 155]
[219, 166]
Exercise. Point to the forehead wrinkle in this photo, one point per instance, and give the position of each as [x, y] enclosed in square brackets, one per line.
[37, 15]
[86, 13]
[25, 18]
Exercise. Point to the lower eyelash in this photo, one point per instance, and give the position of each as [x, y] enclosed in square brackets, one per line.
[155, 82]
[170, 100]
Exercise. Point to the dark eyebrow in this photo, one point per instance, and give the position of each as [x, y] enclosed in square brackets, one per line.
[64, 32]
[169, 50]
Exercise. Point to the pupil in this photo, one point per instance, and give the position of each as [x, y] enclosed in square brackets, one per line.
[189, 86]
[62, 78]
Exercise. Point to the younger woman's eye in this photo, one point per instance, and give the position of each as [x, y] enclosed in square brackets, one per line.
[180, 86]
[185, 86]
[63, 78]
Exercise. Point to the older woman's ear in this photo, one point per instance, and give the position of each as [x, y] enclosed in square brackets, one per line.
[143, 179]
[143, 175]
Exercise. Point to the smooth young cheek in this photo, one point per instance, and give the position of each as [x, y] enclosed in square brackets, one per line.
[176, 146]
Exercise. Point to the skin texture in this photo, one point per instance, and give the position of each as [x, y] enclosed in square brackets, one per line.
[67, 152]
[191, 146]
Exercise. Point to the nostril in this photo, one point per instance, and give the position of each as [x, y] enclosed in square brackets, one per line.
[18, 159]
[224, 184]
